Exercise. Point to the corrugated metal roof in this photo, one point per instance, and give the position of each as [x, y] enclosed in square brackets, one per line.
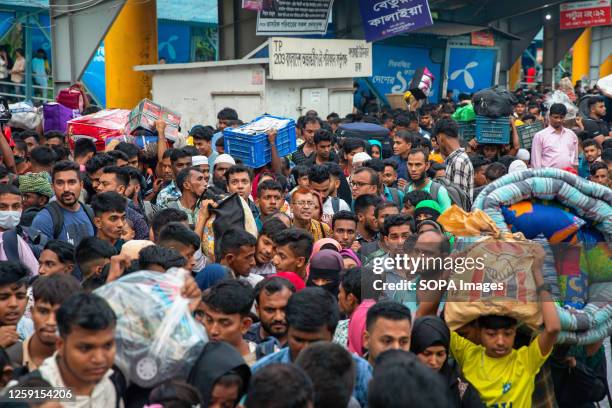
[197, 11]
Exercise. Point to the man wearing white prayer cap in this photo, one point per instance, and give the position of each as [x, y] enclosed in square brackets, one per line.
[220, 166]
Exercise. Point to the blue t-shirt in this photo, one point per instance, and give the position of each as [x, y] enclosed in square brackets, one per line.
[76, 225]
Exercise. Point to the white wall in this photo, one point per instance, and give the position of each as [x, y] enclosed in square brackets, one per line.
[198, 93]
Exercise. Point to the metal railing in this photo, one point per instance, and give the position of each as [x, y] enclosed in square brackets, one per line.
[18, 92]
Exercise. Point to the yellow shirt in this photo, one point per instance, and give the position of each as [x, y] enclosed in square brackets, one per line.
[506, 382]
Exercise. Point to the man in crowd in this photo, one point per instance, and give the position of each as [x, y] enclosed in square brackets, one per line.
[221, 164]
[266, 247]
[388, 327]
[117, 179]
[364, 182]
[311, 124]
[320, 181]
[237, 252]
[12, 246]
[367, 227]
[239, 179]
[555, 146]
[417, 170]
[269, 200]
[596, 125]
[177, 160]
[226, 306]
[312, 315]
[66, 218]
[109, 217]
[293, 250]
[323, 141]
[403, 141]
[271, 297]
[459, 169]
[302, 207]
[13, 300]
[202, 140]
[389, 176]
[85, 352]
[192, 184]
[49, 292]
[344, 228]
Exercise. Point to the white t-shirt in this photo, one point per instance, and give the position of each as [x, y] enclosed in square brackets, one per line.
[328, 209]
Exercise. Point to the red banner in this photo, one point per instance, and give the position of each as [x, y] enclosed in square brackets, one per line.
[483, 38]
[585, 14]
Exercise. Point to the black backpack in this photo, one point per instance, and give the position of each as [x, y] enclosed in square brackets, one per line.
[35, 240]
[457, 196]
[57, 216]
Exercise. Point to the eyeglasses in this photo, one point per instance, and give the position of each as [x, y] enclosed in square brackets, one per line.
[359, 184]
[305, 203]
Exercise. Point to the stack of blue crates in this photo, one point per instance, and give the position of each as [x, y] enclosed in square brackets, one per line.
[255, 150]
[492, 130]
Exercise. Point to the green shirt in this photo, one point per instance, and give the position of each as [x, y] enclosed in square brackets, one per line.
[443, 198]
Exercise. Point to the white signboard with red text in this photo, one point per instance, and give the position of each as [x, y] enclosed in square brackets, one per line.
[585, 14]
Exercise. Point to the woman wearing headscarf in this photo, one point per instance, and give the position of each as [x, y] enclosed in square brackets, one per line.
[350, 259]
[430, 342]
[325, 267]
[375, 149]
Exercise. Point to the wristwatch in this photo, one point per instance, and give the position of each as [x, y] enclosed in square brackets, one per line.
[543, 287]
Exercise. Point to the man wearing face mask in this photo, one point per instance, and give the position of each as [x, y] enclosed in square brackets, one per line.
[12, 246]
[417, 171]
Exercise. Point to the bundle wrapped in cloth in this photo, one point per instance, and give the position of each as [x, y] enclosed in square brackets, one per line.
[157, 337]
[496, 279]
[579, 233]
[102, 127]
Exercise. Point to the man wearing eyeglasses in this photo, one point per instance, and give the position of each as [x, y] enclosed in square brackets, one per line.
[302, 207]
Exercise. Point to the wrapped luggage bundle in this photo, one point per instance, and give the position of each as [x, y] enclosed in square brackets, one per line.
[161, 340]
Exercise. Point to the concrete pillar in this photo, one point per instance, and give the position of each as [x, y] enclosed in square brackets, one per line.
[515, 74]
[131, 40]
[582, 56]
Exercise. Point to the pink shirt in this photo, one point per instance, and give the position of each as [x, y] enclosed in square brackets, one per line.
[551, 148]
[357, 326]
[25, 254]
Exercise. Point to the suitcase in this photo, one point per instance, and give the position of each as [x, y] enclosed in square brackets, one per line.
[72, 98]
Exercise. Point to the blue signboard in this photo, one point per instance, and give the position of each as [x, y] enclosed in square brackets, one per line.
[174, 42]
[386, 18]
[94, 76]
[393, 68]
[471, 69]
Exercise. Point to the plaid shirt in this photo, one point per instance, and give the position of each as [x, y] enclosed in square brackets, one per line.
[544, 392]
[460, 172]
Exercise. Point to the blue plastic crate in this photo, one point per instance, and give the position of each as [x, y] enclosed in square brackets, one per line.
[254, 150]
[492, 130]
[467, 129]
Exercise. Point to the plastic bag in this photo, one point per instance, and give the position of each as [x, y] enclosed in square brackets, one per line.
[462, 223]
[157, 337]
[24, 116]
[465, 113]
[561, 97]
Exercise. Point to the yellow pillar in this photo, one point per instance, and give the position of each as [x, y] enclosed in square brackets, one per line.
[605, 68]
[131, 40]
[515, 74]
[581, 62]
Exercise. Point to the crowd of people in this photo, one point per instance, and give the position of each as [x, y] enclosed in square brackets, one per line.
[286, 297]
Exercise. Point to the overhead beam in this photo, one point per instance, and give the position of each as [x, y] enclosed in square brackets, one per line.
[76, 32]
[496, 10]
